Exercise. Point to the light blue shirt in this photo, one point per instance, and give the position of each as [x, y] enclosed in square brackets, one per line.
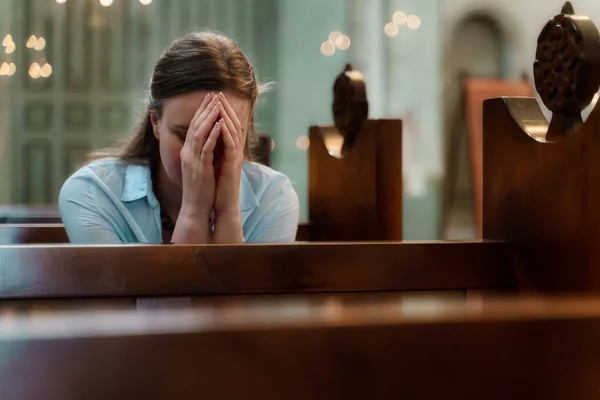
[112, 202]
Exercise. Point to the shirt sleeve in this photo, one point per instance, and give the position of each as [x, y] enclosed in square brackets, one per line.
[278, 213]
[80, 214]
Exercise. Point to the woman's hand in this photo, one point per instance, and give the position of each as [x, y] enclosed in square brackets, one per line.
[229, 167]
[198, 174]
[228, 225]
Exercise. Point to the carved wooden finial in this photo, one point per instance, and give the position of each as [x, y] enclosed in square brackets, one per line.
[567, 69]
[568, 9]
[350, 106]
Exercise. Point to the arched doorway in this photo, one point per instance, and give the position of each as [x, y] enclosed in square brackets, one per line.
[477, 48]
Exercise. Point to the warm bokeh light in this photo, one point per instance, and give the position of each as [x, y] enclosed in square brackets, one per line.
[31, 42]
[391, 29]
[7, 40]
[327, 48]
[343, 42]
[11, 47]
[40, 44]
[399, 18]
[413, 22]
[35, 70]
[303, 142]
[4, 69]
[333, 36]
[106, 3]
[46, 70]
[12, 69]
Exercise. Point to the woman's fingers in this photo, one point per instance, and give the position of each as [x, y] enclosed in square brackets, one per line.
[237, 125]
[201, 135]
[203, 106]
[229, 124]
[195, 125]
[231, 145]
[207, 154]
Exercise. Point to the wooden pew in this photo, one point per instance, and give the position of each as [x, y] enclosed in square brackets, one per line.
[355, 170]
[29, 214]
[31, 233]
[542, 180]
[51, 272]
[539, 196]
[315, 347]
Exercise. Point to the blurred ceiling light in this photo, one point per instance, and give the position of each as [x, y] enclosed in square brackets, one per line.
[12, 68]
[399, 18]
[4, 68]
[46, 70]
[35, 70]
[303, 142]
[106, 3]
[145, 2]
[7, 40]
[413, 22]
[40, 44]
[327, 48]
[31, 42]
[391, 29]
[11, 47]
[61, 1]
[333, 36]
[343, 42]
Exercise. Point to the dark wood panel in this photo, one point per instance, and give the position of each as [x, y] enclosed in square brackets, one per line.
[371, 171]
[306, 348]
[543, 195]
[33, 234]
[137, 270]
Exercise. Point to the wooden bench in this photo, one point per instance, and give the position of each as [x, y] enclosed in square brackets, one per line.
[35, 233]
[539, 193]
[47, 272]
[29, 214]
[297, 347]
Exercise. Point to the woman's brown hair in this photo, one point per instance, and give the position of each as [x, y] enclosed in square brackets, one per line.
[205, 60]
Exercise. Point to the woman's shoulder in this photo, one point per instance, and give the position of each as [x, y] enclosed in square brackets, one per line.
[109, 173]
[267, 182]
[260, 176]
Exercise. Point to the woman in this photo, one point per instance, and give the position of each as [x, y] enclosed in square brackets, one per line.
[186, 176]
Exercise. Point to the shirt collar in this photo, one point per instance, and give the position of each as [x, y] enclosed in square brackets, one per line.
[138, 184]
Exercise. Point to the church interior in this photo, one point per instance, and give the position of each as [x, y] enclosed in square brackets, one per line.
[442, 153]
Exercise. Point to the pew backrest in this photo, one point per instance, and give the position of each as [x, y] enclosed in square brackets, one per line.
[33, 234]
[29, 233]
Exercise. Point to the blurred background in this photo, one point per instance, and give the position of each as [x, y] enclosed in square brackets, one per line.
[74, 73]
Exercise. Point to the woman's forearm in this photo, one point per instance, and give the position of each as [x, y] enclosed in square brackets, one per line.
[191, 229]
[228, 229]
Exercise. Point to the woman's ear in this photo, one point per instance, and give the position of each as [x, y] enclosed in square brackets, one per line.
[154, 122]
